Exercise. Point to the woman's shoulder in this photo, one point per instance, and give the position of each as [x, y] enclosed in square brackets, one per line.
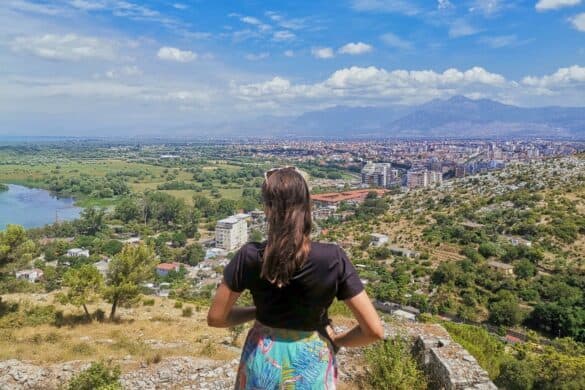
[251, 250]
[328, 250]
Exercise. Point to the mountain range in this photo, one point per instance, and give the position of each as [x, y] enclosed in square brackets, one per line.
[457, 117]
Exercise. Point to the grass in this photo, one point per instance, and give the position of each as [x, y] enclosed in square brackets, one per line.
[134, 336]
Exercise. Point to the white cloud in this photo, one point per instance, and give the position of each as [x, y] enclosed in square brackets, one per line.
[322, 52]
[444, 4]
[578, 21]
[486, 7]
[283, 36]
[355, 48]
[390, 6]
[563, 77]
[497, 42]
[371, 84]
[254, 22]
[131, 71]
[289, 24]
[395, 41]
[38, 8]
[180, 6]
[69, 47]
[87, 5]
[461, 28]
[257, 57]
[545, 5]
[289, 53]
[173, 54]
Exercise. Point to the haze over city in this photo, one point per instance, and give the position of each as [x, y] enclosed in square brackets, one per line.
[185, 68]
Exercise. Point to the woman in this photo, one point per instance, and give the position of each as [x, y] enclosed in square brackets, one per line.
[293, 281]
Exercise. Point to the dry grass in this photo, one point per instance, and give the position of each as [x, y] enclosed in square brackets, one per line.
[145, 333]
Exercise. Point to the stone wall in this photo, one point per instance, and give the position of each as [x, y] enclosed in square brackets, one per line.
[447, 364]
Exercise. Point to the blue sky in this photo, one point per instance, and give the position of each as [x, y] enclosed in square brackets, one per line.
[127, 66]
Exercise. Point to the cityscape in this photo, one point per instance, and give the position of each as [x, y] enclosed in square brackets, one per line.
[357, 194]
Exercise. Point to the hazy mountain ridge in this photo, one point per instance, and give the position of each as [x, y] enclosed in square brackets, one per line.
[455, 117]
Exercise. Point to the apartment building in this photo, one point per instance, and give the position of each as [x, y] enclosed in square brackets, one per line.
[232, 232]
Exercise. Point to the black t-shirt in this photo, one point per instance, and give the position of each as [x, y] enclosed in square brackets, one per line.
[303, 303]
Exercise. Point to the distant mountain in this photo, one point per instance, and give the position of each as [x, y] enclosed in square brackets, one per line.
[485, 117]
[455, 117]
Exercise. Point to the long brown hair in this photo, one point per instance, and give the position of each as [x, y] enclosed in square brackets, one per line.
[287, 204]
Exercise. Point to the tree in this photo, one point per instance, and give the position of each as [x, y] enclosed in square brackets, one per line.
[524, 269]
[516, 375]
[14, 244]
[127, 210]
[92, 221]
[84, 284]
[505, 311]
[193, 254]
[131, 267]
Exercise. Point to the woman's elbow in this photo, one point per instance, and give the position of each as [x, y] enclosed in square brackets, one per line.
[214, 321]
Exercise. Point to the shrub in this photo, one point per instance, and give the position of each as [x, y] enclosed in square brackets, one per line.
[391, 366]
[188, 312]
[148, 302]
[99, 376]
[178, 304]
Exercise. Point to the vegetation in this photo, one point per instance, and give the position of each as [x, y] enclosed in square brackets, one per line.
[390, 365]
[99, 376]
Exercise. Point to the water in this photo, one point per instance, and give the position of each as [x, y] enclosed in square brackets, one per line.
[32, 207]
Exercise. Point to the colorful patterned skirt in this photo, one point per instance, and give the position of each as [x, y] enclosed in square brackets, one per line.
[274, 358]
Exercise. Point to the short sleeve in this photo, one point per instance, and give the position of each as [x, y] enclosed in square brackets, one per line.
[234, 272]
[349, 283]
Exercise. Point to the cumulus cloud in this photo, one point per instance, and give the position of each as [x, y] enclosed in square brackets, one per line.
[173, 54]
[393, 40]
[132, 70]
[564, 77]
[545, 5]
[322, 52]
[578, 21]
[371, 84]
[355, 48]
[69, 47]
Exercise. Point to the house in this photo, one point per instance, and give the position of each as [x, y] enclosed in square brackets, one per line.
[32, 275]
[163, 269]
[103, 266]
[77, 252]
[503, 268]
[403, 252]
[517, 241]
[377, 239]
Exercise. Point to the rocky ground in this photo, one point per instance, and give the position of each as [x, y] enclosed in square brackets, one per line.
[171, 373]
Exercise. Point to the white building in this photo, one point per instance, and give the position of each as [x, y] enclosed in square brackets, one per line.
[32, 275]
[379, 174]
[77, 252]
[232, 232]
[423, 178]
[378, 239]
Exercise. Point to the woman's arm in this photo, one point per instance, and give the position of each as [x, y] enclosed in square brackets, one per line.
[369, 328]
[222, 314]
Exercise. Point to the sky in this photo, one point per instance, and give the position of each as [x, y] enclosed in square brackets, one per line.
[129, 67]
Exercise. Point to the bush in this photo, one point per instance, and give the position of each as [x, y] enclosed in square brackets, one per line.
[188, 312]
[99, 376]
[178, 304]
[391, 366]
[148, 302]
